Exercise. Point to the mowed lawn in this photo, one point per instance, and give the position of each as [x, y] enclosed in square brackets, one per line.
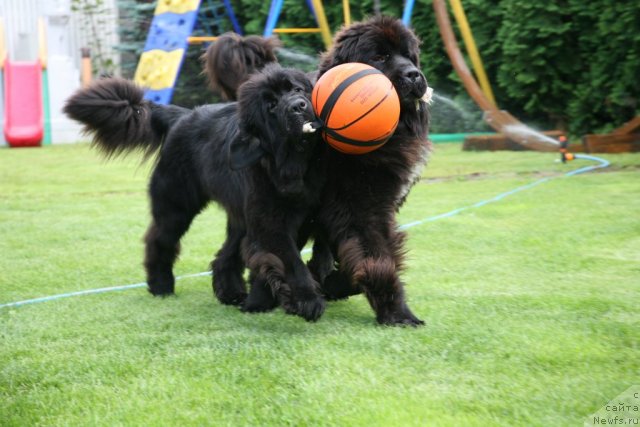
[531, 304]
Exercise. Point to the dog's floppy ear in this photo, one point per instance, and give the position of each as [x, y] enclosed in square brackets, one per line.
[244, 151]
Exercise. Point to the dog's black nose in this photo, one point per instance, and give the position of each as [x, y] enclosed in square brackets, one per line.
[299, 106]
[413, 75]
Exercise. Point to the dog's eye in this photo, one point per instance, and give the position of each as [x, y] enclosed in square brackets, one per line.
[381, 58]
[298, 89]
[271, 105]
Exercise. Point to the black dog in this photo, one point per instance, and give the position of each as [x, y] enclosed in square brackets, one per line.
[231, 59]
[364, 192]
[267, 192]
[228, 63]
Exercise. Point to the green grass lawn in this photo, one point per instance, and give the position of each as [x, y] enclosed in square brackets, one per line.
[531, 306]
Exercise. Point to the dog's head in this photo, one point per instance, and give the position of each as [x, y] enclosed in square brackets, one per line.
[274, 106]
[242, 55]
[386, 44]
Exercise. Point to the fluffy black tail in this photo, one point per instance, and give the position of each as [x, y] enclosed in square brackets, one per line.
[231, 59]
[114, 111]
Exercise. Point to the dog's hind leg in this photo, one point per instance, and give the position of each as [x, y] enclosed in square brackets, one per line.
[174, 204]
[228, 266]
[162, 248]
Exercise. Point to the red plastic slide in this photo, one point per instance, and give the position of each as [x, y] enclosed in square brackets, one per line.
[23, 113]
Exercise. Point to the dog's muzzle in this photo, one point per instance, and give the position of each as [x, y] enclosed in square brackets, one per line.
[409, 80]
[302, 106]
[299, 105]
[415, 82]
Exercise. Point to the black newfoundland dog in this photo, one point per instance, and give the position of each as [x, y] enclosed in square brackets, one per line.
[254, 157]
[362, 194]
[231, 59]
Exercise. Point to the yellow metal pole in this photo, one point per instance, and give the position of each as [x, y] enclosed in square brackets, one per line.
[346, 10]
[297, 30]
[322, 23]
[201, 39]
[472, 50]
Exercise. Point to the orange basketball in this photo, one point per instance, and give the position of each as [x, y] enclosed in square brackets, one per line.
[358, 107]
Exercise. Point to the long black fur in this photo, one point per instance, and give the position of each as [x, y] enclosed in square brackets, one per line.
[231, 59]
[267, 198]
[119, 119]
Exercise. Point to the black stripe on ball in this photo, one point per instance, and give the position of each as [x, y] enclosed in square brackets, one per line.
[368, 111]
[333, 98]
[340, 138]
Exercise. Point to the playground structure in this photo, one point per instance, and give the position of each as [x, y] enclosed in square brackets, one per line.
[23, 100]
[24, 119]
[173, 23]
[31, 108]
[170, 34]
[165, 48]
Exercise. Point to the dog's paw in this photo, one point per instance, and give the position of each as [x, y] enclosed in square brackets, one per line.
[402, 317]
[252, 307]
[309, 309]
[161, 291]
[258, 305]
[162, 294]
[229, 289]
[231, 297]
[336, 286]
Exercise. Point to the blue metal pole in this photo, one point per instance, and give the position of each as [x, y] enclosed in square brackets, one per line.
[236, 26]
[272, 19]
[313, 10]
[408, 10]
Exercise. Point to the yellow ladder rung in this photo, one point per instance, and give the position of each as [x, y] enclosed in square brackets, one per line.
[297, 30]
[206, 39]
[199, 40]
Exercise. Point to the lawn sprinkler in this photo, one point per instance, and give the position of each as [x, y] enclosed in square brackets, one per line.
[565, 155]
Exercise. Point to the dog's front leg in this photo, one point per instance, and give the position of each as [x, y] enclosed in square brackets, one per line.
[370, 254]
[274, 259]
[373, 261]
[271, 252]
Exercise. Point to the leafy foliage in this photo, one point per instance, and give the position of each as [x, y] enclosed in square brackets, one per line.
[566, 64]
[91, 22]
[608, 40]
